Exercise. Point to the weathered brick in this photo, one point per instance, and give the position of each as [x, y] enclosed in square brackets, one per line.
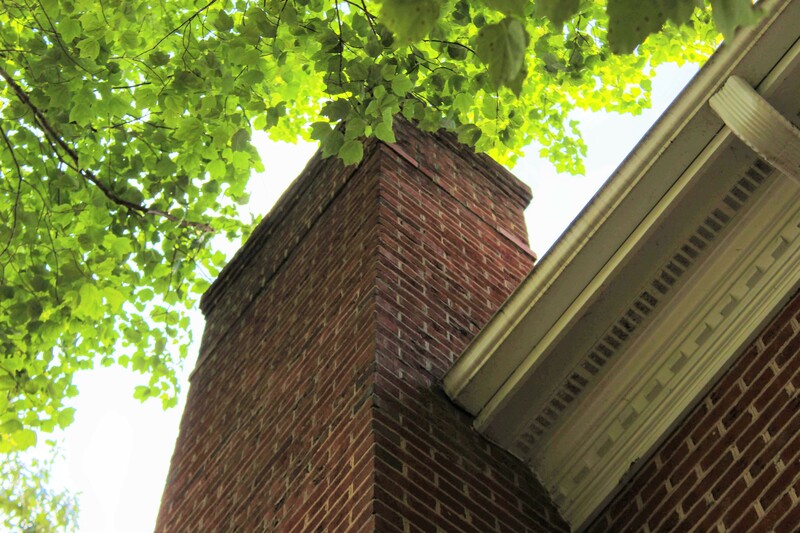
[316, 402]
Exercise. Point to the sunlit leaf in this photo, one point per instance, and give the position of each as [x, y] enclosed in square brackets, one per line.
[410, 20]
[631, 21]
[558, 11]
[732, 14]
[509, 7]
[502, 48]
[351, 152]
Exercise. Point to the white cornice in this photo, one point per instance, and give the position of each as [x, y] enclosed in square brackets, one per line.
[628, 196]
[653, 290]
[622, 278]
[644, 391]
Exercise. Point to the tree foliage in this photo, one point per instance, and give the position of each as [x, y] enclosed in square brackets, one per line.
[29, 502]
[125, 140]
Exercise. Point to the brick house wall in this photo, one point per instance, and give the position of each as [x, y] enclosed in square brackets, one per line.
[733, 464]
[316, 401]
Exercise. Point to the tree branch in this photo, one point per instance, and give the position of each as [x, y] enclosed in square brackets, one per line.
[178, 27]
[50, 132]
[19, 189]
[131, 86]
[454, 43]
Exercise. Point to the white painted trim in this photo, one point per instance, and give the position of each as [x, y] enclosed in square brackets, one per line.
[583, 458]
[619, 207]
[509, 373]
[492, 420]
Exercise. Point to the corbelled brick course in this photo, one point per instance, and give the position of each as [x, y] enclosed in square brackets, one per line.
[733, 464]
[316, 402]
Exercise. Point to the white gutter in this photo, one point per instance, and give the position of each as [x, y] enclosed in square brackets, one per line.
[618, 208]
[529, 376]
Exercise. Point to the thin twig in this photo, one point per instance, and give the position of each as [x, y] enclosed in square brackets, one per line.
[464, 46]
[178, 27]
[19, 189]
[131, 86]
[341, 42]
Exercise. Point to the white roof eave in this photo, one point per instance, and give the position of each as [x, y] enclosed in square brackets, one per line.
[605, 228]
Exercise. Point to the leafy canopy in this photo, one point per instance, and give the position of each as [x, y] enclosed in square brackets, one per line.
[125, 140]
[29, 502]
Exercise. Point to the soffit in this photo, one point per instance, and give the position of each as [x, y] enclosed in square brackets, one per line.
[690, 245]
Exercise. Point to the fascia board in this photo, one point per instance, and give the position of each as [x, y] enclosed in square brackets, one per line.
[597, 234]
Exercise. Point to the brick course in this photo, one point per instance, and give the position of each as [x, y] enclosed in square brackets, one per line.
[733, 464]
[316, 403]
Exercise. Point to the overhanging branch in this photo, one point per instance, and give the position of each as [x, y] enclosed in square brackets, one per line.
[72, 155]
[19, 189]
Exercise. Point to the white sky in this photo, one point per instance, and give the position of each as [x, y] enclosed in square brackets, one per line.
[118, 450]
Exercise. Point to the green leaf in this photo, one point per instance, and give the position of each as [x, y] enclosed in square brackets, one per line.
[320, 130]
[468, 134]
[223, 22]
[119, 246]
[81, 114]
[516, 83]
[679, 11]
[256, 16]
[410, 20]
[69, 28]
[190, 130]
[502, 48]
[66, 417]
[332, 143]
[463, 102]
[90, 304]
[336, 110]
[384, 132]
[10, 426]
[240, 140]
[141, 392]
[509, 7]
[7, 382]
[217, 169]
[89, 48]
[354, 127]
[25, 439]
[401, 85]
[114, 298]
[159, 59]
[51, 7]
[558, 11]
[457, 52]
[351, 152]
[732, 14]
[631, 21]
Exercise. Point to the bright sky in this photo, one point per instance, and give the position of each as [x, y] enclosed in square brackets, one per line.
[118, 450]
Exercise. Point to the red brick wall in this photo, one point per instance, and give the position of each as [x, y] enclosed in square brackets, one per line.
[276, 425]
[316, 402]
[443, 269]
[733, 464]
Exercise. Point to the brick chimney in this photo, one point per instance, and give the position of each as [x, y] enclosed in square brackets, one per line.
[316, 400]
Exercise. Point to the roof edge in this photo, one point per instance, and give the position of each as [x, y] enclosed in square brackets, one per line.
[636, 168]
